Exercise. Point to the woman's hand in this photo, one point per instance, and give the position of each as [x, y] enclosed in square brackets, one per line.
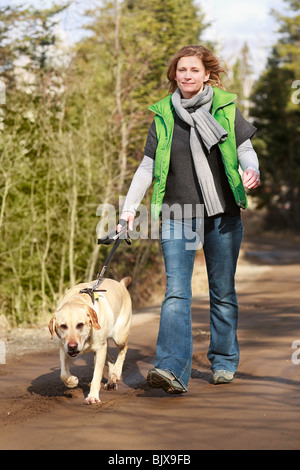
[129, 217]
[251, 179]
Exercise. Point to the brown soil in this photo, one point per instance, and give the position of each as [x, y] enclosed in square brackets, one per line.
[259, 410]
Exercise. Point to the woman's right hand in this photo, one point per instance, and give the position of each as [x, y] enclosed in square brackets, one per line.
[129, 217]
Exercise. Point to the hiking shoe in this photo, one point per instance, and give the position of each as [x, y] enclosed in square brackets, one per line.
[164, 379]
[222, 377]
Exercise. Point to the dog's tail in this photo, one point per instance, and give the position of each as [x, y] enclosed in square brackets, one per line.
[126, 281]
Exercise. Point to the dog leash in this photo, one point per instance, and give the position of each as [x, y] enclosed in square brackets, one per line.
[115, 238]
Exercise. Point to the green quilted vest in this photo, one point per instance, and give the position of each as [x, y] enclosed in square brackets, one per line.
[223, 110]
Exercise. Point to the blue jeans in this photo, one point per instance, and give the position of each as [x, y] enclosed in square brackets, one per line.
[222, 240]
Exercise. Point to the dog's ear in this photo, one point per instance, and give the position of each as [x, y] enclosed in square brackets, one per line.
[94, 319]
[51, 326]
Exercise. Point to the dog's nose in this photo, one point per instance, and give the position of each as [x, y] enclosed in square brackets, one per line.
[72, 346]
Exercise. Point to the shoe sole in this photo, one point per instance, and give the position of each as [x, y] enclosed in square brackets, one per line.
[222, 380]
[156, 380]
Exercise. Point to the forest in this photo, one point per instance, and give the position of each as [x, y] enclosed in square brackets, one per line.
[73, 124]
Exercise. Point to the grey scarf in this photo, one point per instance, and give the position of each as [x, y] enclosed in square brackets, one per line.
[205, 130]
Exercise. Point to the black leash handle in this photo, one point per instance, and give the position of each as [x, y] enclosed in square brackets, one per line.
[112, 237]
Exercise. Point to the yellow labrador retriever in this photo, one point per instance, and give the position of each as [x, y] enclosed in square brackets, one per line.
[82, 326]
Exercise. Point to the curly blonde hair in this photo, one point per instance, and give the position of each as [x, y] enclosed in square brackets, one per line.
[209, 60]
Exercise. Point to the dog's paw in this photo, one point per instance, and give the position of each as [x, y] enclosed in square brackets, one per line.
[71, 382]
[91, 400]
[111, 386]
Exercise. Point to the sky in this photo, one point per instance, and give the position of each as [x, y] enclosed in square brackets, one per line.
[233, 22]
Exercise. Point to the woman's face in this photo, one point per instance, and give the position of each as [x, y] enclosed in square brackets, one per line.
[190, 76]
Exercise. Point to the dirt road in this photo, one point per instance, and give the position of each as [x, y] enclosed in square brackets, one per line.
[260, 410]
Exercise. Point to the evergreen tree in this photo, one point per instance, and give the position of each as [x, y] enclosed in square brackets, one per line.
[277, 116]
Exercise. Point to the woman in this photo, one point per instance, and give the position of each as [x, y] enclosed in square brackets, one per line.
[195, 145]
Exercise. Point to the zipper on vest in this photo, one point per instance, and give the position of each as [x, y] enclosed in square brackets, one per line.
[228, 173]
[162, 158]
[240, 204]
